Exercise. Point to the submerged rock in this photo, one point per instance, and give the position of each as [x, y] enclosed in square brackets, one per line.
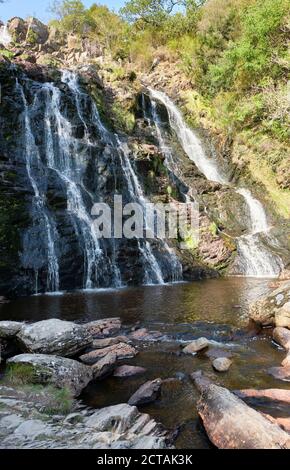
[282, 337]
[142, 334]
[48, 369]
[196, 345]
[280, 373]
[128, 371]
[121, 350]
[104, 343]
[147, 393]
[231, 424]
[221, 364]
[54, 337]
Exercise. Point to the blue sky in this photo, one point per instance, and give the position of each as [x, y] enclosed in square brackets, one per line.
[39, 8]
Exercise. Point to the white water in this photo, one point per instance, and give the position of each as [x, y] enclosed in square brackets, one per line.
[5, 37]
[33, 161]
[255, 259]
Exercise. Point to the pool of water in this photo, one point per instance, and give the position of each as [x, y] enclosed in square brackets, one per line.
[216, 309]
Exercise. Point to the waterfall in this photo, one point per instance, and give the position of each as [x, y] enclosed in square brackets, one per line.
[60, 140]
[33, 164]
[255, 259]
[5, 37]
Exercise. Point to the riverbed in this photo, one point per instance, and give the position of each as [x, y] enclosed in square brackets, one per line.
[216, 309]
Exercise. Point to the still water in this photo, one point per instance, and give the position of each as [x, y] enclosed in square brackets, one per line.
[216, 309]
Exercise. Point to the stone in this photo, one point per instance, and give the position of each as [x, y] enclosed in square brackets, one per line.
[54, 337]
[286, 361]
[221, 364]
[196, 345]
[147, 393]
[263, 310]
[104, 366]
[231, 424]
[214, 353]
[9, 329]
[104, 343]
[273, 394]
[128, 371]
[37, 32]
[104, 327]
[32, 429]
[282, 336]
[282, 316]
[142, 334]
[58, 371]
[17, 27]
[280, 373]
[121, 350]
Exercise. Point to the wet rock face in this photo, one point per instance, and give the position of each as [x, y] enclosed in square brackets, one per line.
[54, 337]
[58, 371]
[147, 393]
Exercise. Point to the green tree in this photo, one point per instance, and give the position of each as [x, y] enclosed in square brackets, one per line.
[153, 12]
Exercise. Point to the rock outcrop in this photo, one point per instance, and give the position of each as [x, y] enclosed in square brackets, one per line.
[147, 393]
[48, 369]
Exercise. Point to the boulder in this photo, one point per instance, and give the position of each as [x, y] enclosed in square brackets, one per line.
[104, 327]
[37, 32]
[263, 310]
[231, 424]
[280, 373]
[128, 371]
[54, 337]
[17, 27]
[121, 350]
[273, 394]
[282, 336]
[9, 329]
[196, 345]
[104, 366]
[221, 364]
[282, 316]
[286, 361]
[147, 393]
[58, 371]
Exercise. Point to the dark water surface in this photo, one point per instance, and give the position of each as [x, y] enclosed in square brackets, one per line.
[216, 309]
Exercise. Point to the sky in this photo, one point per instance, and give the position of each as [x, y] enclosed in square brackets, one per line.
[39, 8]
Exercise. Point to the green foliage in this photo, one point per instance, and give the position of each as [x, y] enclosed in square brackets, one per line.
[8, 54]
[19, 374]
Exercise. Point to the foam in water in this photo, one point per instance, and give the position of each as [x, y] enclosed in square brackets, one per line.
[255, 259]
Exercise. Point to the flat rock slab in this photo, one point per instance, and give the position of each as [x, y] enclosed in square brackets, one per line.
[142, 334]
[121, 350]
[58, 371]
[54, 337]
[221, 364]
[280, 373]
[105, 342]
[147, 393]
[273, 394]
[9, 329]
[231, 424]
[196, 345]
[128, 371]
[103, 328]
[282, 336]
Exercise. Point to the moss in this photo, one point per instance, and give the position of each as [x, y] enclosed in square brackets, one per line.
[123, 118]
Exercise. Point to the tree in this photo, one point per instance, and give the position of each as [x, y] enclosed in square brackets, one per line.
[152, 12]
[72, 15]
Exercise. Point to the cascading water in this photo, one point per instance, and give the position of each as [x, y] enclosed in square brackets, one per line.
[5, 37]
[60, 142]
[41, 214]
[255, 259]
